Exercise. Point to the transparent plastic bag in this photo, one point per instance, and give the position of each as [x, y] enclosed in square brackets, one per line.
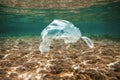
[61, 29]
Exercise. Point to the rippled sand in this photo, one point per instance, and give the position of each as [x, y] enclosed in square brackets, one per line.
[20, 59]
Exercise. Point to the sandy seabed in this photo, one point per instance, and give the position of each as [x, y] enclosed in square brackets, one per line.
[20, 59]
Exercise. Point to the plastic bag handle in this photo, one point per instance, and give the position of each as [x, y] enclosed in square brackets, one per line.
[88, 41]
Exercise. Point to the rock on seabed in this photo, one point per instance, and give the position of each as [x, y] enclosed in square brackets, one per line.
[20, 60]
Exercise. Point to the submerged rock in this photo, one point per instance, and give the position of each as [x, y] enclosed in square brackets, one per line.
[61, 64]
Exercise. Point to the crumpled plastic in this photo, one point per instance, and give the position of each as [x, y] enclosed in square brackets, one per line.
[61, 29]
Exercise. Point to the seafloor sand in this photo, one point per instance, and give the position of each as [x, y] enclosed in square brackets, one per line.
[20, 59]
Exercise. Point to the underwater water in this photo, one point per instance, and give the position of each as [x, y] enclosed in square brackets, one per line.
[21, 27]
[100, 20]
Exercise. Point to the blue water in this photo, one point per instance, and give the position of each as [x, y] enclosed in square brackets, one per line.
[97, 20]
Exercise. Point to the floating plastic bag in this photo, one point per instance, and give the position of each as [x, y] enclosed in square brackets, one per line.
[61, 29]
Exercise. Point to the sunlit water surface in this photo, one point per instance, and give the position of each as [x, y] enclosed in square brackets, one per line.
[97, 20]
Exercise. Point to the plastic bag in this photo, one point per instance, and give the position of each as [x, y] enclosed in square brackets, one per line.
[61, 29]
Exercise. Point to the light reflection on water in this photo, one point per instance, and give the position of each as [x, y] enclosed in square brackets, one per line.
[95, 20]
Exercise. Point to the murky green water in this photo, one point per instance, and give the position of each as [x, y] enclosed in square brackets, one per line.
[96, 20]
